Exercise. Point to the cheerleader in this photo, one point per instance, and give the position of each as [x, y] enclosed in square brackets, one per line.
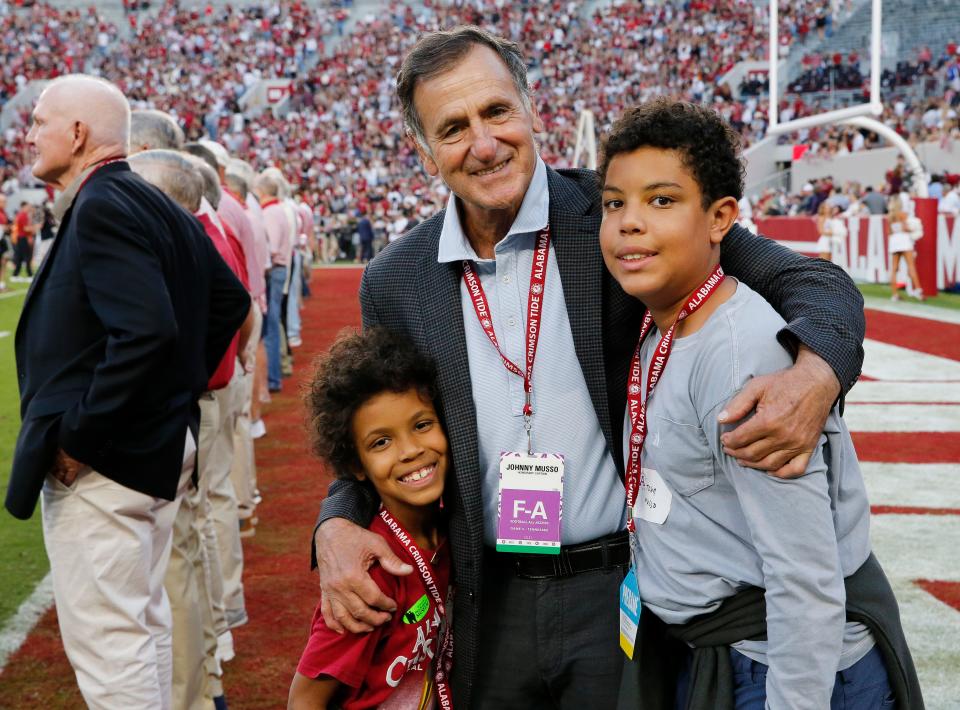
[904, 230]
[825, 230]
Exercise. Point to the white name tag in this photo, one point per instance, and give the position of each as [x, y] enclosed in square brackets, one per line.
[655, 498]
[530, 503]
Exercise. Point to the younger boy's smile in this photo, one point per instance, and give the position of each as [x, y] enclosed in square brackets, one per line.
[403, 452]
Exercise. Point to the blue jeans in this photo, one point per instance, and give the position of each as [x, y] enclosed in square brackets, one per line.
[276, 277]
[862, 686]
[293, 296]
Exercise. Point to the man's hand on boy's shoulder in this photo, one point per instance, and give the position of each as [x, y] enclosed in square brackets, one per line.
[351, 601]
[790, 408]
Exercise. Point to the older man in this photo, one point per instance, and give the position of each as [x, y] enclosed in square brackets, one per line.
[153, 130]
[279, 240]
[540, 631]
[129, 314]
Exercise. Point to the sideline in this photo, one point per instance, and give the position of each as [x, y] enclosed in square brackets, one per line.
[914, 310]
[19, 626]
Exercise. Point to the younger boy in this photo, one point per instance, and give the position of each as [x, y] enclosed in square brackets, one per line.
[373, 418]
[706, 529]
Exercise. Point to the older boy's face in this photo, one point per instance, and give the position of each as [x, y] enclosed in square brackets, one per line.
[402, 449]
[657, 240]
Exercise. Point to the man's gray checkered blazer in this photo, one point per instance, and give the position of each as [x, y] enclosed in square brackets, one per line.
[405, 289]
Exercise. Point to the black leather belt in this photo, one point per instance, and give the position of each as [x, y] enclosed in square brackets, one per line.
[604, 553]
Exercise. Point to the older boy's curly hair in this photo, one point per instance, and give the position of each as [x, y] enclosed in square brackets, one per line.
[358, 367]
[708, 146]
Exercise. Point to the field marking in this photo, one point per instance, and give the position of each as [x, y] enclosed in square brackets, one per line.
[19, 626]
[903, 417]
[891, 362]
[865, 392]
[932, 629]
[5, 333]
[932, 485]
[914, 310]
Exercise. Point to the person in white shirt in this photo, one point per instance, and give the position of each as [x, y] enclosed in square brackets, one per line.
[950, 202]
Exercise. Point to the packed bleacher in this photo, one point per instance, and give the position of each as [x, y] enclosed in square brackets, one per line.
[342, 139]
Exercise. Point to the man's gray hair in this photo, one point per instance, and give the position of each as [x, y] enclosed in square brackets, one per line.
[439, 52]
[237, 184]
[150, 130]
[267, 184]
[284, 189]
[211, 181]
[243, 170]
[173, 173]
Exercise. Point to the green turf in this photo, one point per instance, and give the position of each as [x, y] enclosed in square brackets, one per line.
[941, 300]
[23, 561]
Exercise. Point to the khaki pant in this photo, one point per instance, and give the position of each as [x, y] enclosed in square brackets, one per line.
[108, 547]
[243, 473]
[193, 585]
[223, 501]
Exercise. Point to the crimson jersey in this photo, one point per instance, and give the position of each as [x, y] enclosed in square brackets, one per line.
[392, 667]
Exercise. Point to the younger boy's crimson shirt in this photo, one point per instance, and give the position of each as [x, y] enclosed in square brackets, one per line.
[392, 667]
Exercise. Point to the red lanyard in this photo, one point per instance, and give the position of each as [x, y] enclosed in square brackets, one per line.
[636, 402]
[444, 661]
[538, 280]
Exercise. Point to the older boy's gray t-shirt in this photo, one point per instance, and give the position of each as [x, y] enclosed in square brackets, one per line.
[710, 527]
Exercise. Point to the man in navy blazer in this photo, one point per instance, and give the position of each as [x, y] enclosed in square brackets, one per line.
[124, 322]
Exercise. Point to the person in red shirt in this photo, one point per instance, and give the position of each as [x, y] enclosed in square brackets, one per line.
[24, 229]
[6, 245]
[373, 419]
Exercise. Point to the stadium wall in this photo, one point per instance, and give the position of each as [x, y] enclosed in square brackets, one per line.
[863, 254]
[851, 167]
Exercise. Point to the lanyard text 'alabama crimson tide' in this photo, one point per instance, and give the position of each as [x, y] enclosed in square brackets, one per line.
[538, 280]
[638, 396]
[444, 660]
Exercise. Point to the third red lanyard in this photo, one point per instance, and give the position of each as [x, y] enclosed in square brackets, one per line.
[638, 396]
[444, 660]
[538, 279]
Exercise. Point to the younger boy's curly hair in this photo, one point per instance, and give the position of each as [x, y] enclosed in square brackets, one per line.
[358, 367]
[708, 146]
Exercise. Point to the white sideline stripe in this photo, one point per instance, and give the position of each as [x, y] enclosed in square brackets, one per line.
[5, 333]
[918, 546]
[11, 294]
[932, 629]
[887, 391]
[923, 485]
[19, 626]
[915, 310]
[883, 361]
[903, 417]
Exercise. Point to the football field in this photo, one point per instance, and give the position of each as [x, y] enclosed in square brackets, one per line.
[904, 414]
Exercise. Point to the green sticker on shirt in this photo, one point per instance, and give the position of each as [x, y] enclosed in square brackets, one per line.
[416, 613]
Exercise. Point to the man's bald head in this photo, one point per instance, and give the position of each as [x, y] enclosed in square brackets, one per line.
[78, 121]
[97, 103]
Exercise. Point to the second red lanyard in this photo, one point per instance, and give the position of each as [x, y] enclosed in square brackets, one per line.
[638, 395]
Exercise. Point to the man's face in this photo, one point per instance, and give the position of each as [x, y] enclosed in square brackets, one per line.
[53, 136]
[478, 131]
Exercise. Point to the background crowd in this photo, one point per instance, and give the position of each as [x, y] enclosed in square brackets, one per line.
[341, 141]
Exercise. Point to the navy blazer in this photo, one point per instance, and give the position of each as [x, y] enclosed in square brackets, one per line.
[130, 312]
[406, 290]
